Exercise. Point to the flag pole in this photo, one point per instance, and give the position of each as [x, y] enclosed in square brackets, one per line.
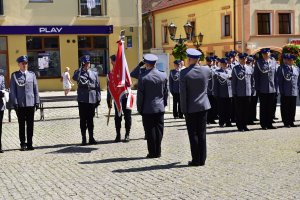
[108, 115]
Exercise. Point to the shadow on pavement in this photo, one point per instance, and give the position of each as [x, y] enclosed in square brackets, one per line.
[75, 149]
[111, 160]
[56, 119]
[151, 168]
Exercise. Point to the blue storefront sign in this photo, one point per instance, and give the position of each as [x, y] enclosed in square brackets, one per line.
[38, 30]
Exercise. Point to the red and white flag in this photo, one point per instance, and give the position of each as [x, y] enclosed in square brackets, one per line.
[120, 81]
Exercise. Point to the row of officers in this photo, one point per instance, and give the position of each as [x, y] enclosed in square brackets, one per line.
[197, 88]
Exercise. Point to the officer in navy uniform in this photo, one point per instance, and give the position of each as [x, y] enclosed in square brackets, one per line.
[288, 82]
[265, 85]
[241, 83]
[2, 106]
[88, 97]
[152, 95]
[195, 104]
[24, 96]
[223, 93]
[212, 112]
[126, 112]
[254, 97]
[174, 89]
[275, 57]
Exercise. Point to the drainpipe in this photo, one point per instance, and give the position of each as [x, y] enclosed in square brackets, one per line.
[234, 24]
[138, 27]
[243, 31]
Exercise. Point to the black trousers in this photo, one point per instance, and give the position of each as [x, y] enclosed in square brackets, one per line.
[274, 106]
[196, 126]
[86, 115]
[176, 105]
[25, 115]
[1, 120]
[154, 129]
[127, 117]
[242, 105]
[212, 112]
[233, 111]
[253, 108]
[288, 109]
[225, 108]
[266, 109]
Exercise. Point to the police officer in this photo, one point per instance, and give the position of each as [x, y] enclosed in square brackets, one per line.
[242, 80]
[288, 82]
[275, 57]
[152, 95]
[223, 93]
[195, 104]
[265, 85]
[2, 106]
[126, 112]
[174, 89]
[138, 70]
[24, 96]
[88, 97]
[254, 97]
[212, 112]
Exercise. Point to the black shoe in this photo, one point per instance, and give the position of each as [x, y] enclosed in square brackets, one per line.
[126, 138]
[92, 141]
[175, 117]
[246, 129]
[213, 122]
[293, 125]
[251, 123]
[287, 126]
[23, 148]
[150, 156]
[229, 125]
[272, 127]
[118, 139]
[83, 143]
[193, 164]
[241, 130]
[1, 151]
[221, 125]
[264, 128]
[30, 148]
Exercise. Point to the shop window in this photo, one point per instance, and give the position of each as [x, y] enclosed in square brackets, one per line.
[264, 23]
[97, 48]
[44, 56]
[92, 7]
[284, 23]
[1, 7]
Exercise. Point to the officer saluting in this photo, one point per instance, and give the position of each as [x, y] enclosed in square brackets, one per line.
[288, 82]
[194, 104]
[265, 85]
[174, 89]
[241, 83]
[24, 96]
[88, 98]
[152, 95]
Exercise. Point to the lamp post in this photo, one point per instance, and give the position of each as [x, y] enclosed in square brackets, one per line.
[197, 40]
[188, 28]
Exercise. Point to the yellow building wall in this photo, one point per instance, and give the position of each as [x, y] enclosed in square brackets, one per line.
[207, 16]
[121, 14]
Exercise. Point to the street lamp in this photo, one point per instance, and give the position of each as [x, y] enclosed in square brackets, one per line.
[197, 40]
[188, 28]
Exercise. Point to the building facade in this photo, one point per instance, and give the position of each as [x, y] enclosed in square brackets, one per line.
[241, 25]
[55, 34]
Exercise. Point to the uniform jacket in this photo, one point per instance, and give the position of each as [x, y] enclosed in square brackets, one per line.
[265, 76]
[2, 87]
[222, 83]
[210, 87]
[242, 80]
[88, 90]
[136, 72]
[24, 90]
[174, 81]
[288, 80]
[193, 89]
[152, 93]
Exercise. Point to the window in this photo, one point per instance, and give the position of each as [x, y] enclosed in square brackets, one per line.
[193, 23]
[92, 7]
[226, 26]
[264, 24]
[40, 1]
[165, 38]
[284, 23]
[97, 48]
[44, 56]
[1, 7]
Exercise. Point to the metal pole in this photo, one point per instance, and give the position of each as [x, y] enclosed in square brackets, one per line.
[138, 27]
[243, 31]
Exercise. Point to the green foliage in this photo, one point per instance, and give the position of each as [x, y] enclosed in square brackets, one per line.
[179, 51]
[292, 49]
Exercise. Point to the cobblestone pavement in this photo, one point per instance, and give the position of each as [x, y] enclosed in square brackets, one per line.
[253, 165]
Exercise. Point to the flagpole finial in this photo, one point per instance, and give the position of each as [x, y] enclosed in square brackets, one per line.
[122, 35]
